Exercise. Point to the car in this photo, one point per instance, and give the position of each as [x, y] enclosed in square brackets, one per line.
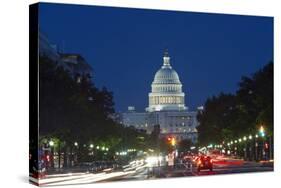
[204, 162]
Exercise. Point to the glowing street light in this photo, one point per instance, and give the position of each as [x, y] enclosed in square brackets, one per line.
[123, 153]
[51, 143]
[75, 144]
[235, 141]
[98, 147]
[240, 140]
[262, 133]
[250, 137]
[244, 138]
[91, 146]
[257, 136]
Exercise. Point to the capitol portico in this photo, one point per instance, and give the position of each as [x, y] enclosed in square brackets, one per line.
[166, 107]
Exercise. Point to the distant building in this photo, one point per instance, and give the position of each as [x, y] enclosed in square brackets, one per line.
[47, 49]
[78, 65]
[75, 64]
[166, 107]
[139, 120]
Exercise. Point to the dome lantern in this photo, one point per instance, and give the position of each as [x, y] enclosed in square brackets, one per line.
[166, 60]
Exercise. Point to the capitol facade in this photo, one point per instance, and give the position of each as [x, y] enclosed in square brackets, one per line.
[166, 107]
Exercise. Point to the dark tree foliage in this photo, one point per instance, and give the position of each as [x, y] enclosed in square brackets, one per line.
[228, 116]
[184, 145]
[216, 119]
[72, 111]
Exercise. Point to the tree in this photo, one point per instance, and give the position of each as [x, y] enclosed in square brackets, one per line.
[79, 112]
[228, 116]
[184, 145]
[218, 115]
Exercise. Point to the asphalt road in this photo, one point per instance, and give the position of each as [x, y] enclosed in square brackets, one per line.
[181, 171]
[145, 172]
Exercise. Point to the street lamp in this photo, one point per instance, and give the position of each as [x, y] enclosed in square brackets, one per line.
[75, 144]
[91, 145]
[244, 138]
[262, 133]
[250, 137]
[98, 147]
[240, 140]
[51, 143]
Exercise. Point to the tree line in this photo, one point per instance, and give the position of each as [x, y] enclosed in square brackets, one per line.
[76, 115]
[229, 116]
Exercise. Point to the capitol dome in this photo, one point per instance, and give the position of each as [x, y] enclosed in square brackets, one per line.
[166, 76]
[166, 88]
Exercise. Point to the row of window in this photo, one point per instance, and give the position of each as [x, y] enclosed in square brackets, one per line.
[166, 88]
[181, 124]
[165, 130]
[166, 100]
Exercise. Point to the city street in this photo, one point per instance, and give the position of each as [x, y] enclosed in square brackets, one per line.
[110, 110]
[144, 172]
[182, 171]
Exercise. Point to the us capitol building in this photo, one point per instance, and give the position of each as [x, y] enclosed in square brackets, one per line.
[166, 107]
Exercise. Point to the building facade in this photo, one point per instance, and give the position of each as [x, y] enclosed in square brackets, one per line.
[73, 63]
[166, 107]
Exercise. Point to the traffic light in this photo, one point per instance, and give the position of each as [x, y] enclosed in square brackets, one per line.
[171, 140]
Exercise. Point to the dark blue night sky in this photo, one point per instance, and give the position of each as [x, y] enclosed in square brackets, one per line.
[210, 52]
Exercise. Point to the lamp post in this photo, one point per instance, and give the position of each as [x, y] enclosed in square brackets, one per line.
[250, 156]
[262, 133]
[245, 147]
[92, 151]
[256, 147]
[51, 144]
[75, 157]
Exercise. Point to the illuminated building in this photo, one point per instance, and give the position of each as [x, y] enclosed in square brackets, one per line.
[166, 107]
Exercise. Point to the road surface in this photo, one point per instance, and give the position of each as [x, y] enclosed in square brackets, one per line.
[144, 172]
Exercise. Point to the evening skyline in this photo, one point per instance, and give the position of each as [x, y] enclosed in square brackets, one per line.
[210, 52]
